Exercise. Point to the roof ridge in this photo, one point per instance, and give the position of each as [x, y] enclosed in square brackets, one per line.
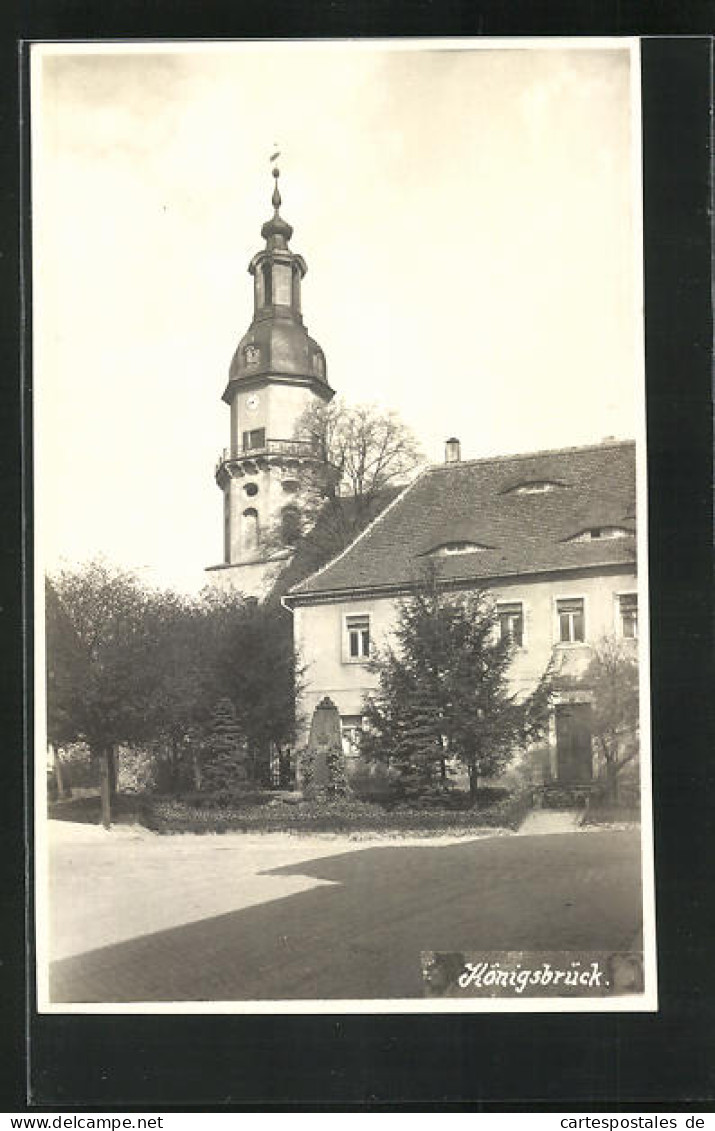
[530, 455]
[400, 495]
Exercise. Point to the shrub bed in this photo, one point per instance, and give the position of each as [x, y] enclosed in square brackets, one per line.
[611, 815]
[176, 815]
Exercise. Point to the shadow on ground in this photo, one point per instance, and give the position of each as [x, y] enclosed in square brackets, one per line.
[86, 809]
[362, 938]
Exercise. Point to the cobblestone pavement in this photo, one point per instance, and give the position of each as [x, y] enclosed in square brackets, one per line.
[362, 913]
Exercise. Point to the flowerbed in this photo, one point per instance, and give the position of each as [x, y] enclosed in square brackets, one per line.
[175, 815]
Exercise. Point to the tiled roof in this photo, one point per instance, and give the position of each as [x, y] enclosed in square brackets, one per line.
[479, 501]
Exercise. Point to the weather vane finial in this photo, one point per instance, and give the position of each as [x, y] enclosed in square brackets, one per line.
[276, 200]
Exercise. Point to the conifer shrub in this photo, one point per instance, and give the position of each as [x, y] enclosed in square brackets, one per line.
[224, 757]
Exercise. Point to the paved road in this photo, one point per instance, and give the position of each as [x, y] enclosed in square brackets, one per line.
[359, 934]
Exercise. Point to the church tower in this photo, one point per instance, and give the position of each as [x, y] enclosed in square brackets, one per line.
[277, 372]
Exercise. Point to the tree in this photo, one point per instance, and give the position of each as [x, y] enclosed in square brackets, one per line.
[612, 679]
[254, 665]
[444, 693]
[101, 669]
[186, 685]
[363, 454]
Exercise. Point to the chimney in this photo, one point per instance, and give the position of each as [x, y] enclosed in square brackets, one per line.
[452, 451]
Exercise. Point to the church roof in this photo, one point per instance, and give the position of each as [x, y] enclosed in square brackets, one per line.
[500, 517]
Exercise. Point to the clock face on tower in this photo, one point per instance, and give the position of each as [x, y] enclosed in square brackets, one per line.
[253, 402]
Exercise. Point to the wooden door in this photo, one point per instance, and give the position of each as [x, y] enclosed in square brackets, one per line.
[573, 742]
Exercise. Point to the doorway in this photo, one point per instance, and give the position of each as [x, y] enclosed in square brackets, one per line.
[573, 743]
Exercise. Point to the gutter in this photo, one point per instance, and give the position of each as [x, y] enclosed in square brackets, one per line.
[404, 588]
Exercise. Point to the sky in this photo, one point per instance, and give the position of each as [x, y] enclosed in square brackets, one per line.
[469, 213]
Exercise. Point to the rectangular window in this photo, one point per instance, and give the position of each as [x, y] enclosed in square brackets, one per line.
[571, 621]
[358, 637]
[351, 730]
[511, 621]
[254, 439]
[628, 610]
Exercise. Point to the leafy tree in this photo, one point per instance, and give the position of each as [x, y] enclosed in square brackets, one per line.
[63, 656]
[444, 693]
[363, 454]
[101, 669]
[186, 685]
[612, 679]
[130, 665]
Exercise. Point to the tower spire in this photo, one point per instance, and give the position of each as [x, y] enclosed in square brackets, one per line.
[277, 372]
[276, 198]
[276, 231]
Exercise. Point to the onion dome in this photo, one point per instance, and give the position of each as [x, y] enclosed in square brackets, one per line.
[277, 345]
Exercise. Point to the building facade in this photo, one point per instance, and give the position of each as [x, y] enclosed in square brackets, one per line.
[549, 535]
[278, 372]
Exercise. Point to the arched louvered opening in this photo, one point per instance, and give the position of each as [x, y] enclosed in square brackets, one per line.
[295, 296]
[267, 284]
[249, 530]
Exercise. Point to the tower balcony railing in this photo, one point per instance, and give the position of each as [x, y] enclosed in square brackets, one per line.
[295, 449]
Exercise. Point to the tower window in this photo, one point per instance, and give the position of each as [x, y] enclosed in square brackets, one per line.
[267, 284]
[250, 530]
[296, 288]
[254, 439]
[282, 284]
[251, 489]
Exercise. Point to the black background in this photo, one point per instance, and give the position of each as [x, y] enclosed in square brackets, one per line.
[443, 1062]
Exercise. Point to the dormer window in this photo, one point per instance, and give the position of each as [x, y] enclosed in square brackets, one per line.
[450, 548]
[251, 354]
[536, 487]
[601, 533]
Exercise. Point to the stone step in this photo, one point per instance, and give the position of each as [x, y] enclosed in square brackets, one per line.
[542, 821]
